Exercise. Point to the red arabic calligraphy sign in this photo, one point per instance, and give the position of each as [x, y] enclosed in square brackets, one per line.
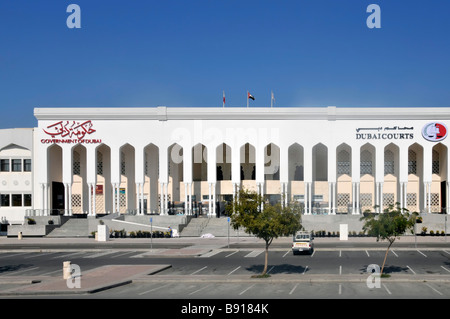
[70, 132]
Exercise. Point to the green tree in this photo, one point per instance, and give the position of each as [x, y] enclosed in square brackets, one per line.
[389, 225]
[268, 223]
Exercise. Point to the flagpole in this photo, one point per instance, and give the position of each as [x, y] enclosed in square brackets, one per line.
[247, 98]
[271, 99]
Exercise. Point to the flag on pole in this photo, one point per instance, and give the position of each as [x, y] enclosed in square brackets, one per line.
[223, 98]
[272, 99]
[249, 96]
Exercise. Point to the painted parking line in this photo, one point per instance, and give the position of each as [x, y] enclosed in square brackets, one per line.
[388, 291]
[68, 255]
[198, 290]
[244, 291]
[421, 253]
[52, 272]
[394, 253]
[270, 269]
[233, 270]
[151, 290]
[293, 289]
[197, 271]
[254, 253]
[14, 273]
[38, 255]
[411, 270]
[210, 254]
[234, 252]
[367, 253]
[286, 253]
[101, 254]
[432, 288]
[304, 271]
[445, 268]
[123, 254]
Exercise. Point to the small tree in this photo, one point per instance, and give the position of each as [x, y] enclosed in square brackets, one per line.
[389, 225]
[272, 221]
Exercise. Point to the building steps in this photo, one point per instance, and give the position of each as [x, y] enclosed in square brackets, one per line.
[218, 227]
[74, 227]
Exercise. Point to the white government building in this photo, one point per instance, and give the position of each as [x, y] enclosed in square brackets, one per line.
[170, 160]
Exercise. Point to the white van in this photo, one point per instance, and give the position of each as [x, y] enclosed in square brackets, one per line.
[303, 241]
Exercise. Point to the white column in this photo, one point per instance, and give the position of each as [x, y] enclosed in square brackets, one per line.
[185, 199]
[330, 197]
[138, 192]
[401, 196]
[334, 198]
[142, 199]
[447, 193]
[47, 209]
[429, 197]
[94, 202]
[166, 200]
[262, 194]
[70, 200]
[190, 198]
[425, 197]
[358, 190]
[114, 197]
[209, 201]
[91, 193]
[161, 198]
[214, 199]
[66, 199]
[118, 198]
[381, 198]
[353, 198]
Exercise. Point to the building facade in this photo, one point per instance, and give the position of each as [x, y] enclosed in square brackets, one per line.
[191, 160]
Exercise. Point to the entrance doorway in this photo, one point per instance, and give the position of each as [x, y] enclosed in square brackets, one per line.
[57, 198]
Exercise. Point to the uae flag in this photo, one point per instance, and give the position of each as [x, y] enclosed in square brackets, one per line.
[249, 96]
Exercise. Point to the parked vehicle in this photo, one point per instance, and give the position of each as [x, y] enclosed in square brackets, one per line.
[303, 241]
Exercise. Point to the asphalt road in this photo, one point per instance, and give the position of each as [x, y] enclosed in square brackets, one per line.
[226, 273]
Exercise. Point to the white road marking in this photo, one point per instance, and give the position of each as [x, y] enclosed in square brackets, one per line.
[394, 253]
[437, 291]
[445, 268]
[151, 290]
[304, 271]
[254, 253]
[411, 270]
[387, 289]
[242, 292]
[293, 289]
[233, 270]
[194, 292]
[421, 253]
[231, 254]
[286, 253]
[197, 271]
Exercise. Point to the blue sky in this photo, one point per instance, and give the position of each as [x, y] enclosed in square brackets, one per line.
[185, 53]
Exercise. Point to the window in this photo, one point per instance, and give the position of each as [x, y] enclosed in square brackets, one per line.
[16, 165]
[4, 198]
[27, 165]
[16, 200]
[4, 165]
[412, 162]
[27, 200]
[389, 163]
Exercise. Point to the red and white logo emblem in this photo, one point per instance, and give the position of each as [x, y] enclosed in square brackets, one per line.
[434, 132]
